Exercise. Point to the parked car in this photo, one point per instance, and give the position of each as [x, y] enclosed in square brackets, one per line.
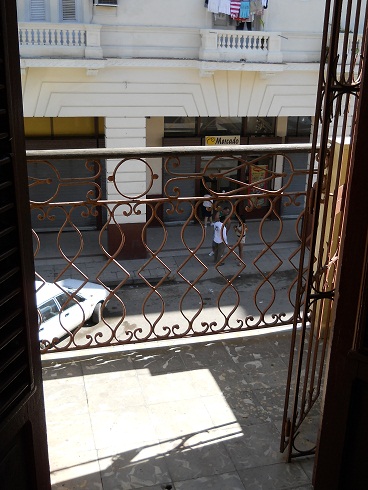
[61, 309]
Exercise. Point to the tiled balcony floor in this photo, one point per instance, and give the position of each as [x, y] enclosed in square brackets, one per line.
[186, 417]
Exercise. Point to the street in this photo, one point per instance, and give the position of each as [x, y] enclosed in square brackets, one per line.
[139, 313]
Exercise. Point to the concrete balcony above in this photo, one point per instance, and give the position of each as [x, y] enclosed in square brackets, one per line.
[92, 41]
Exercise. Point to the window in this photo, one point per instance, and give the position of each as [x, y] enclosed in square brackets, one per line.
[38, 12]
[299, 126]
[48, 310]
[68, 10]
[261, 126]
[220, 126]
[202, 126]
[183, 126]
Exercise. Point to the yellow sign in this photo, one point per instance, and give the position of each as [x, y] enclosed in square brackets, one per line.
[221, 140]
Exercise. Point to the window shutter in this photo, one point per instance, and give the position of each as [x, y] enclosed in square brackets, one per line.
[23, 442]
[68, 10]
[16, 374]
[38, 10]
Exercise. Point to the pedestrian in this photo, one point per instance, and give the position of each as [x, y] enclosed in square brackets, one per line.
[241, 233]
[207, 210]
[219, 239]
[224, 213]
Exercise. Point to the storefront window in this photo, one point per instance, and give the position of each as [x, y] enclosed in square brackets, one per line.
[228, 167]
[220, 125]
[261, 126]
[183, 126]
[299, 126]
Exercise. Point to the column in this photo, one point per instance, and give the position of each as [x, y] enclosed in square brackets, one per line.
[129, 182]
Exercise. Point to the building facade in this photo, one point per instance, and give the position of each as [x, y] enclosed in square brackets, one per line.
[131, 73]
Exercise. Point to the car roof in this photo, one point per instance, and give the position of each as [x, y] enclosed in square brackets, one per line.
[46, 291]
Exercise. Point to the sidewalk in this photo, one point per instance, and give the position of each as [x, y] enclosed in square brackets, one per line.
[173, 255]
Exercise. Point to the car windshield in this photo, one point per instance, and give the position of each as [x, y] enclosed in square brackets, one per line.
[66, 300]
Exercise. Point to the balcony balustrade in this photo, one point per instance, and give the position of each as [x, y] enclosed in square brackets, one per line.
[255, 46]
[59, 40]
[42, 40]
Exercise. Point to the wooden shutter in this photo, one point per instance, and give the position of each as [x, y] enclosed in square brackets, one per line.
[23, 446]
[68, 10]
[38, 12]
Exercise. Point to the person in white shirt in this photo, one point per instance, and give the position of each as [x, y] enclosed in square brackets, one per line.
[219, 239]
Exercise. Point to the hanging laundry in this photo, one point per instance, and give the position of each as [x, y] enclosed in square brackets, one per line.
[244, 10]
[224, 7]
[239, 10]
[213, 6]
[256, 7]
[235, 8]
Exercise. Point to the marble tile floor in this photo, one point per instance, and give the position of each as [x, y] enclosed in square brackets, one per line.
[186, 417]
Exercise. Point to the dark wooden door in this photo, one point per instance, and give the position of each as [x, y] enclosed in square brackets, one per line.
[23, 447]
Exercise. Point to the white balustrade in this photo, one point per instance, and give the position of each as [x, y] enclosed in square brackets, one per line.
[44, 39]
[52, 35]
[255, 46]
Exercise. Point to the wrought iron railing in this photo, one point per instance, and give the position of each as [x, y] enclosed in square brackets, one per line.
[167, 286]
[342, 62]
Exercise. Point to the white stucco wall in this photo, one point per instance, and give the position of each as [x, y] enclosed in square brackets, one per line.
[129, 176]
[294, 15]
[181, 13]
[146, 64]
[188, 13]
[281, 15]
[162, 91]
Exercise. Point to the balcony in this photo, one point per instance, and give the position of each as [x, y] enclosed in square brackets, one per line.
[182, 383]
[46, 40]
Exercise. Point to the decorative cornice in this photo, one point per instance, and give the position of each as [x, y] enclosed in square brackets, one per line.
[203, 73]
[206, 68]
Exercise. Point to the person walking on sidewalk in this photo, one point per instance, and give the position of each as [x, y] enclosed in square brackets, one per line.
[240, 232]
[207, 210]
[219, 239]
[224, 213]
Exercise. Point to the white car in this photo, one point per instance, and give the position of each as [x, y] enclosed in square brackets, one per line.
[61, 309]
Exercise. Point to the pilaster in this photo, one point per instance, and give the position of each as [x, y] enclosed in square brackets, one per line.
[126, 180]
